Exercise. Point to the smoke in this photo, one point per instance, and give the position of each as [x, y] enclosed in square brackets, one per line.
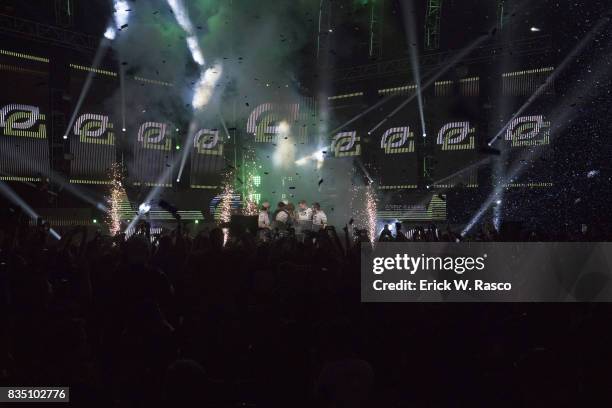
[251, 53]
[205, 87]
[257, 44]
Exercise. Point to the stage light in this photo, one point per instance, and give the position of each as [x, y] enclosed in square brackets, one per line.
[178, 147]
[178, 180]
[206, 85]
[65, 137]
[197, 221]
[535, 29]
[124, 130]
[121, 16]
[182, 17]
[410, 23]
[95, 221]
[498, 202]
[110, 34]
[319, 156]
[284, 154]
[98, 57]
[10, 194]
[144, 208]
[122, 13]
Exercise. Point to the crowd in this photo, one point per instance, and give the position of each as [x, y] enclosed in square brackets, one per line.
[211, 321]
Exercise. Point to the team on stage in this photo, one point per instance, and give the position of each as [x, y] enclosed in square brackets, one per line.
[286, 215]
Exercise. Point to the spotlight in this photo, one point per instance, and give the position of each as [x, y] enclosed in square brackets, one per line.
[320, 155]
[65, 137]
[490, 150]
[144, 208]
[197, 221]
[124, 129]
[498, 202]
[178, 180]
[95, 221]
[110, 33]
[178, 147]
[331, 30]
[535, 30]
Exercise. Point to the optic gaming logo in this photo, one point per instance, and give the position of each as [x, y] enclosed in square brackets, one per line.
[346, 144]
[152, 135]
[457, 136]
[206, 141]
[528, 131]
[397, 140]
[96, 129]
[264, 120]
[21, 120]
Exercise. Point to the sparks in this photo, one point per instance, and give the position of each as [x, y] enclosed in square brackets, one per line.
[226, 208]
[114, 199]
[250, 208]
[364, 209]
[371, 209]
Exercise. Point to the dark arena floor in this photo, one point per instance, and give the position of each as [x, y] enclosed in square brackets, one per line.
[305, 203]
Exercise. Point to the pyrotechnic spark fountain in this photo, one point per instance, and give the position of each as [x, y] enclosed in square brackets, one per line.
[365, 209]
[251, 208]
[116, 193]
[226, 208]
[371, 209]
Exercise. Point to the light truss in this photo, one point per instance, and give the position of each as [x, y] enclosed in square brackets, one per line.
[48, 33]
[432, 25]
